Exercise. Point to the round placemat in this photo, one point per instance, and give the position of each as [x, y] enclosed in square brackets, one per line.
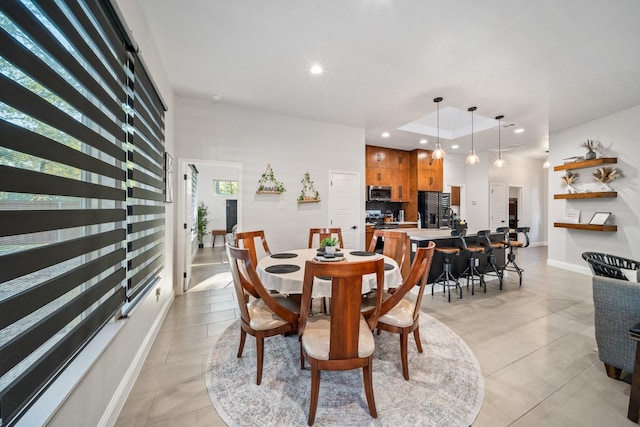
[388, 266]
[284, 255]
[282, 268]
[362, 253]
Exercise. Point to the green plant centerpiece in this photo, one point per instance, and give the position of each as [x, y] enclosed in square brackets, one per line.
[329, 244]
[203, 222]
[591, 145]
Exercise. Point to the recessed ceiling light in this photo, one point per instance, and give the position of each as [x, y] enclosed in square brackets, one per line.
[455, 146]
[216, 96]
[423, 141]
[518, 130]
[316, 69]
[385, 134]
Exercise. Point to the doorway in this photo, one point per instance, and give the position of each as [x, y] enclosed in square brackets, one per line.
[498, 206]
[344, 206]
[185, 235]
[515, 210]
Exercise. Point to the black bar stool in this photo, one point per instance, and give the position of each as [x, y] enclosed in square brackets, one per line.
[471, 272]
[492, 268]
[510, 244]
[446, 277]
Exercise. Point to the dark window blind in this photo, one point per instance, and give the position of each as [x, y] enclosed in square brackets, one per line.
[81, 213]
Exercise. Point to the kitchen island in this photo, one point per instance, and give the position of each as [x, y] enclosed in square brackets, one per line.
[420, 237]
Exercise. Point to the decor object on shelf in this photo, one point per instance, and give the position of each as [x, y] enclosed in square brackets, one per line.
[329, 244]
[472, 158]
[438, 153]
[591, 145]
[600, 218]
[605, 175]
[568, 179]
[203, 221]
[499, 163]
[268, 184]
[308, 194]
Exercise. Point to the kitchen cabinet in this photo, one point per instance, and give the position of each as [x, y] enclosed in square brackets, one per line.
[388, 167]
[429, 171]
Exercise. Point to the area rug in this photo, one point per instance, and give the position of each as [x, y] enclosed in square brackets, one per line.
[446, 386]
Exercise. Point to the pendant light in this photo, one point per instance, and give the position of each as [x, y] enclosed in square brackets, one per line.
[499, 161]
[438, 153]
[472, 158]
[546, 163]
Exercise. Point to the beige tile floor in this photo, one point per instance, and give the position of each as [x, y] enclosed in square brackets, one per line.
[535, 345]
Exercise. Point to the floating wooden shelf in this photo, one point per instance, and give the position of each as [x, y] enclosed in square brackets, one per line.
[586, 163]
[591, 227]
[268, 192]
[309, 201]
[594, 195]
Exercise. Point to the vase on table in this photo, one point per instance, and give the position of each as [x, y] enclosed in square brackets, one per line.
[330, 250]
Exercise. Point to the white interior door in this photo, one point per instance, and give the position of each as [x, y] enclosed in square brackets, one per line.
[344, 206]
[498, 206]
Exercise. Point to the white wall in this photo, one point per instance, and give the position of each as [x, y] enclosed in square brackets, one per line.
[219, 132]
[619, 135]
[108, 373]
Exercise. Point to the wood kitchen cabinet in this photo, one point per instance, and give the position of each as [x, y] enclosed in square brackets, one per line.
[428, 171]
[388, 167]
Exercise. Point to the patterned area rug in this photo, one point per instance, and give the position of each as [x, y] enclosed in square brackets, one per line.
[446, 386]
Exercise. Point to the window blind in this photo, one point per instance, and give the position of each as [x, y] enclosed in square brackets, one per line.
[81, 213]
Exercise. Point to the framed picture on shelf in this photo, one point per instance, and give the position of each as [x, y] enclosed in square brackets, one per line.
[600, 218]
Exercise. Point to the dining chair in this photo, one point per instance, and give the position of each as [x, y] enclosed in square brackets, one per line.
[262, 314]
[247, 240]
[324, 233]
[397, 245]
[342, 340]
[401, 315]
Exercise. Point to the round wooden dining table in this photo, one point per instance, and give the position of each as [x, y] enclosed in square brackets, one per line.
[284, 272]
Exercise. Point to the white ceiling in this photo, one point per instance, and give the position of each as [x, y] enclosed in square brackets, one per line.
[545, 65]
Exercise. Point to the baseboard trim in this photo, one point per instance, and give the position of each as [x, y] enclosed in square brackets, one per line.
[570, 267]
[113, 409]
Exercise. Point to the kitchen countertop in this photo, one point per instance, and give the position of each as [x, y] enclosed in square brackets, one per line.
[433, 233]
[395, 223]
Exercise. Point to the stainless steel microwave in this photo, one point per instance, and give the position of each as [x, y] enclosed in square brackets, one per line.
[379, 193]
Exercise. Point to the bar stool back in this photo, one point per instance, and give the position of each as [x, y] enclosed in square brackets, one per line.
[446, 277]
[471, 272]
[492, 268]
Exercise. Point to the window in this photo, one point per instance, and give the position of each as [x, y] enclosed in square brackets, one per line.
[225, 188]
[81, 212]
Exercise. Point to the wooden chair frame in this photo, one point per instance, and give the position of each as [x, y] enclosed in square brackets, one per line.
[247, 284]
[324, 233]
[247, 238]
[397, 245]
[418, 274]
[346, 290]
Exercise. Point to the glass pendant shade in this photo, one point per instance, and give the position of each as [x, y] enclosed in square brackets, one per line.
[438, 153]
[472, 158]
[546, 164]
[499, 163]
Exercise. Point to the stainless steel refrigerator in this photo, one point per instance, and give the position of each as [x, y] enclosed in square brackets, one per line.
[434, 209]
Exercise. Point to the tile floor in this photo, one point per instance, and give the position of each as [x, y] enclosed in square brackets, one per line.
[535, 345]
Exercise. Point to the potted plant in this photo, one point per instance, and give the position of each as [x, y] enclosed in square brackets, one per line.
[203, 221]
[329, 244]
[591, 145]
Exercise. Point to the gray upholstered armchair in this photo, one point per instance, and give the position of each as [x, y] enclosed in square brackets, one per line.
[617, 308]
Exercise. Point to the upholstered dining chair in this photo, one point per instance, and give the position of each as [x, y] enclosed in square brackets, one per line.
[262, 314]
[343, 339]
[323, 233]
[247, 240]
[396, 245]
[401, 315]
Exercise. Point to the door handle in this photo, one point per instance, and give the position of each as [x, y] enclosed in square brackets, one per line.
[354, 227]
